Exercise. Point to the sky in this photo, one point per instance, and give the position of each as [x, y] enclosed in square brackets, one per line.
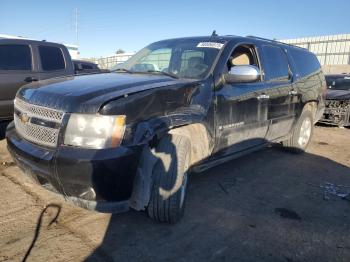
[105, 26]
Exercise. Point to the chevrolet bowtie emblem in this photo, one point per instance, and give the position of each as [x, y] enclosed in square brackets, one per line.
[24, 118]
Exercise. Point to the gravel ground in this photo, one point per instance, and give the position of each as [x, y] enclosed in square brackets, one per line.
[266, 206]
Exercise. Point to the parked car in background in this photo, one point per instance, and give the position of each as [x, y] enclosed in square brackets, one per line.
[24, 61]
[337, 110]
[87, 67]
[129, 138]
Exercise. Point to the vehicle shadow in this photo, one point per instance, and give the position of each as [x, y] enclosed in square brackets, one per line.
[231, 215]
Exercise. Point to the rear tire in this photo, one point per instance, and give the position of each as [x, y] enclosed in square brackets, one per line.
[301, 134]
[167, 201]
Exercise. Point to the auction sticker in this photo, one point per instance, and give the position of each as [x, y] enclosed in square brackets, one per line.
[210, 45]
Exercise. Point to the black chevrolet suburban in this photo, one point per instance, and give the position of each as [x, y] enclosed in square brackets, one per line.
[129, 138]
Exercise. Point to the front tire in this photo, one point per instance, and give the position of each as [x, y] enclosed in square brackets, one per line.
[167, 201]
[301, 134]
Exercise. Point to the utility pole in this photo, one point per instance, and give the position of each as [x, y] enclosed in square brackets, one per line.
[76, 27]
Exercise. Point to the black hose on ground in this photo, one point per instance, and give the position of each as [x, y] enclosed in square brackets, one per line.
[38, 226]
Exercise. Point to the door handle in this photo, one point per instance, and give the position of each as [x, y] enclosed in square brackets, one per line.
[263, 96]
[293, 92]
[30, 79]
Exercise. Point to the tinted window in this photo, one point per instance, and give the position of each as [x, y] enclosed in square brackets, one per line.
[51, 58]
[86, 66]
[15, 57]
[76, 66]
[305, 62]
[338, 83]
[275, 63]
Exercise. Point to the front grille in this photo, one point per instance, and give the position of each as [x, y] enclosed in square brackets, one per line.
[337, 106]
[39, 111]
[337, 103]
[24, 117]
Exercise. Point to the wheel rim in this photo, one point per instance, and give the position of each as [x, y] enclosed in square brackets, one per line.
[305, 133]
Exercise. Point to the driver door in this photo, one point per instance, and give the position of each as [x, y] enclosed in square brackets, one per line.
[241, 108]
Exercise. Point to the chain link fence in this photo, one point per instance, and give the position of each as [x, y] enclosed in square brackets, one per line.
[109, 62]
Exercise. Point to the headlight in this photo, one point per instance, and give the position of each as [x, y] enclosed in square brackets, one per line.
[94, 131]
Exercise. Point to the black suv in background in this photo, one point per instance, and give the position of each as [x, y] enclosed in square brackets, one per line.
[24, 61]
[129, 138]
[337, 110]
[86, 67]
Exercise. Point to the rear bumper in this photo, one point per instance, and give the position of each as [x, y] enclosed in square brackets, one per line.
[93, 179]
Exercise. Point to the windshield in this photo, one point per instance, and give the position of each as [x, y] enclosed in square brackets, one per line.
[338, 83]
[181, 58]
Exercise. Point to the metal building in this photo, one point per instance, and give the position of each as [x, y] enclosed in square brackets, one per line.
[330, 49]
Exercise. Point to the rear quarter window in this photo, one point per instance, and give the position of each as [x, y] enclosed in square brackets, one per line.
[305, 62]
[15, 57]
[51, 58]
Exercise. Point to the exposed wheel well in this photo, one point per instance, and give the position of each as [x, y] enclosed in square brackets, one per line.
[201, 145]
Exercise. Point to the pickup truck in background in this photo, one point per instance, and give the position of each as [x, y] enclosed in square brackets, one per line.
[24, 61]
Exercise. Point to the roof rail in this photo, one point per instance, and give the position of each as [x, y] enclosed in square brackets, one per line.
[275, 41]
[261, 38]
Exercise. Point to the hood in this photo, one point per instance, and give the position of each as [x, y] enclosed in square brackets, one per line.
[87, 93]
[333, 94]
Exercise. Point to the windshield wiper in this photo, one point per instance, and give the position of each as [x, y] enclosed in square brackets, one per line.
[163, 73]
[123, 70]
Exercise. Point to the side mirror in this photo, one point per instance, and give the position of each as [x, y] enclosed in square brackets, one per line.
[243, 74]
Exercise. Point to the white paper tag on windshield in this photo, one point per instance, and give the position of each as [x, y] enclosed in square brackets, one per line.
[210, 45]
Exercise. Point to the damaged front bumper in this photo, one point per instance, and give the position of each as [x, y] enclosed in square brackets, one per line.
[100, 180]
[337, 112]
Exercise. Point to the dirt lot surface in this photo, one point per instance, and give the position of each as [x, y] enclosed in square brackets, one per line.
[267, 206]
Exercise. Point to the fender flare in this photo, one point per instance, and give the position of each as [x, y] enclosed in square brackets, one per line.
[313, 107]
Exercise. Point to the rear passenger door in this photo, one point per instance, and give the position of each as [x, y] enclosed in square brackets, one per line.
[278, 80]
[52, 62]
[16, 70]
